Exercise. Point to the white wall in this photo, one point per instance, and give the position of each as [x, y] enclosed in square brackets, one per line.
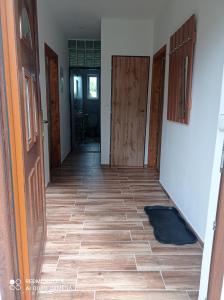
[188, 151]
[213, 200]
[51, 33]
[119, 37]
[191, 155]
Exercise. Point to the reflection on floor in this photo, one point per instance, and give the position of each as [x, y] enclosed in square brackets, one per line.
[100, 245]
[88, 147]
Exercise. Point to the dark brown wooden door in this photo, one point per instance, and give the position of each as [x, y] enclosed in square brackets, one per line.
[217, 264]
[32, 130]
[130, 76]
[53, 110]
[156, 108]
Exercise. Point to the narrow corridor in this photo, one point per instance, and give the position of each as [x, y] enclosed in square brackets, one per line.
[99, 242]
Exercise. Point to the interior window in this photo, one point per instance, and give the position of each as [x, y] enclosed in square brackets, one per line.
[93, 87]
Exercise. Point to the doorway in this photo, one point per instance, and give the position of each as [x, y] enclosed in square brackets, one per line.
[156, 109]
[130, 76]
[53, 109]
[85, 109]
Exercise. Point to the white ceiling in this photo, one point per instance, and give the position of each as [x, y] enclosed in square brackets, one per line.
[81, 18]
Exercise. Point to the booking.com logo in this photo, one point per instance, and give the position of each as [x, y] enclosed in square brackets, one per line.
[15, 285]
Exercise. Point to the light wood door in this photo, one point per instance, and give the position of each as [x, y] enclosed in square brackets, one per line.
[130, 76]
[217, 264]
[31, 119]
[8, 252]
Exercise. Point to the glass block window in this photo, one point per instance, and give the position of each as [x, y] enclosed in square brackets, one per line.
[84, 53]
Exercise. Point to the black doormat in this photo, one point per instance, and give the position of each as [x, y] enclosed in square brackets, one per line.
[169, 226]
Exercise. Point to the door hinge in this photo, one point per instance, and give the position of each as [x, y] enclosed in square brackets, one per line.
[214, 225]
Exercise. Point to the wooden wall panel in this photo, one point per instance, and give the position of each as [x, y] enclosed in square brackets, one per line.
[182, 44]
[129, 105]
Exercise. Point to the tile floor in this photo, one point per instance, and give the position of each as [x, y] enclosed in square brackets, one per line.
[100, 245]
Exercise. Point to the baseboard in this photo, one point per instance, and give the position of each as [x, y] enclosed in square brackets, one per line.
[182, 215]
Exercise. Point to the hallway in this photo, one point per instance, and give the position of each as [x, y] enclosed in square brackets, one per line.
[100, 244]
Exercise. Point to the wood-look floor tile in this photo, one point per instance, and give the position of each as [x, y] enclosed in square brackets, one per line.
[98, 262]
[66, 296]
[58, 218]
[158, 248]
[114, 248]
[123, 281]
[64, 227]
[142, 235]
[59, 277]
[60, 248]
[135, 216]
[56, 236]
[99, 235]
[141, 295]
[181, 280]
[97, 202]
[147, 262]
[112, 208]
[49, 263]
[124, 225]
[96, 216]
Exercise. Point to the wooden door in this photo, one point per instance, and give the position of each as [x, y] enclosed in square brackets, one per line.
[156, 108]
[53, 110]
[8, 253]
[21, 65]
[130, 76]
[217, 264]
[31, 120]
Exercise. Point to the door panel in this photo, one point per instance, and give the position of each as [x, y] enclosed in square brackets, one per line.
[129, 105]
[217, 262]
[32, 127]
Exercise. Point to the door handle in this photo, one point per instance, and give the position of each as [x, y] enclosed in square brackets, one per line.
[45, 121]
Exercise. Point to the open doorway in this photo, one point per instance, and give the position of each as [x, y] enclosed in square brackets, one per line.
[85, 109]
[156, 111]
